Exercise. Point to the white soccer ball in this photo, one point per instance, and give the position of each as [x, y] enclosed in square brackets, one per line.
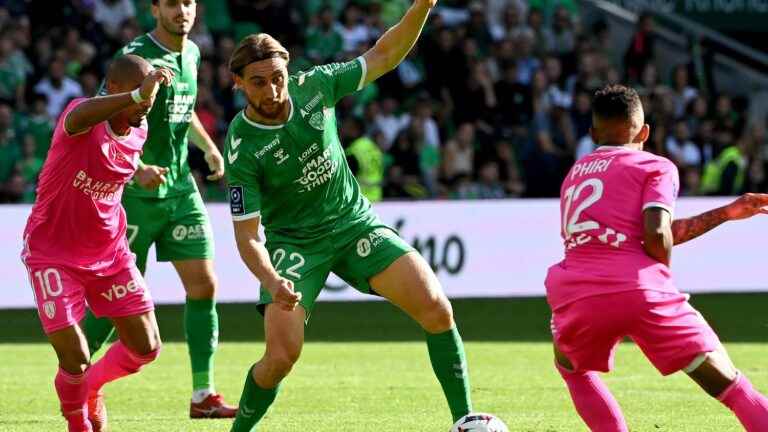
[479, 422]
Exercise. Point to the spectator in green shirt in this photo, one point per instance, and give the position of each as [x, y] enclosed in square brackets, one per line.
[39, 126]
[324, 40]
[9, 151]
[29, 168]
[12, 78]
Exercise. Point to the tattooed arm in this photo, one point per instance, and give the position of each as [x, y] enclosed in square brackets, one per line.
[745, 206]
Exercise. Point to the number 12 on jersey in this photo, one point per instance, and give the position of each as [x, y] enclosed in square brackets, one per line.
[571, 223]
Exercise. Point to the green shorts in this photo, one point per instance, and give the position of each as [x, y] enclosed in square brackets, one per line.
[356, 254]
[178, 226]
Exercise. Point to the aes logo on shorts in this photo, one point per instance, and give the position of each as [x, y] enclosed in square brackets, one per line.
[236, 202]
[363, 247]
[192, 232]
[373, 240]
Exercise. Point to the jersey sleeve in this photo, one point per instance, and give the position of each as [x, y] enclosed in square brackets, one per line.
[661, 186]
[243, 180]
[344, 78]
[60, 133]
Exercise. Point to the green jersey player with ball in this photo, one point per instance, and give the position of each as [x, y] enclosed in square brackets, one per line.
[287, 170]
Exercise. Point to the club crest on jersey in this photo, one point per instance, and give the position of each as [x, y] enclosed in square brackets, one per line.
[49, 308]
[317, 120]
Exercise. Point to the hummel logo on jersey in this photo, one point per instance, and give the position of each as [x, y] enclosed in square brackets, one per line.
[119, 291]
[131, 47]
[280, 156]
[232, 154]
[304, 76]
[159, 62]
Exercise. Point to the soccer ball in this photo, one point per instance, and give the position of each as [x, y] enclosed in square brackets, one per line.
[479, 422]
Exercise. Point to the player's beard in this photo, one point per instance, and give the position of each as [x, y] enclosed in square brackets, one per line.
[271, 114]
[173, 28]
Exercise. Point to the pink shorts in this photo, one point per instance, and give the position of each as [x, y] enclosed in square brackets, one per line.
[61, 294]
[669, 331]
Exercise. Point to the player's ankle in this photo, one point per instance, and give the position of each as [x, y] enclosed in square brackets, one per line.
[199, 395]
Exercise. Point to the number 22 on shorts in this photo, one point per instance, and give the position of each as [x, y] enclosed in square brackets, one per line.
[293, 271]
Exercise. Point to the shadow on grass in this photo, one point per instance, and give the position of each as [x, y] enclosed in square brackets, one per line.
[736, 317]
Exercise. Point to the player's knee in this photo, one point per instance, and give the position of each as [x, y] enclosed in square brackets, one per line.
[74, 361]
[281, 363]
[203, 289]
[438, 315]
[149, 347]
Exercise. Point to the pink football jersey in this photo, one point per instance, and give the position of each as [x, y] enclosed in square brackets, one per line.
[77, 219]
[601, 202]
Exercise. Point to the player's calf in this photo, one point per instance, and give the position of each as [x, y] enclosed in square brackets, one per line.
[715, 373]
[591, 398]
[70, 381]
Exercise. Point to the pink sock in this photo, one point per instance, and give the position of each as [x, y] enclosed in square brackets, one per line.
[73, 392]
[118, 362]
[594, 402]
[750, 406]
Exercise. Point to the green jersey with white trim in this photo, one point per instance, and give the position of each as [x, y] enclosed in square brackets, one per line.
[170, 116]
[295, 175]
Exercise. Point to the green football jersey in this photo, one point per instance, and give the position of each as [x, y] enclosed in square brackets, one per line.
[170, 116]
[295, 175]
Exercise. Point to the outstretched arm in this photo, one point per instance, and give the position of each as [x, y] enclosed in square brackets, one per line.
[100, 108]
[395, 43]
[745, 206]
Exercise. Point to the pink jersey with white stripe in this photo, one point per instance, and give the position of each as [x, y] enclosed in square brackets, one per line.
[77, 219]
[601, 202]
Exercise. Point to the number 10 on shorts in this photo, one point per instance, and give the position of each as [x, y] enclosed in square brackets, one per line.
[49, 281]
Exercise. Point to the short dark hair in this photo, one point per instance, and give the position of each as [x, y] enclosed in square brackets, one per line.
[616, 102]
[129, 67]
[253, 48]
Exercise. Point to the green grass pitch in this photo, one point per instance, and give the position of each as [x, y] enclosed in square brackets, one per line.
[365, 368]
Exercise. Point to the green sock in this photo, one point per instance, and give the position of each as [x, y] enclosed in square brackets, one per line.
[254, 403]
[201, 325]
[446, 352]
[97, 331]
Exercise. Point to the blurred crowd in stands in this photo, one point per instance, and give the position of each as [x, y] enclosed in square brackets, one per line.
[493, 102]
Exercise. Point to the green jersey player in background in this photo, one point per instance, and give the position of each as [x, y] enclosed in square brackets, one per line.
[287, 169]
[163, 204]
